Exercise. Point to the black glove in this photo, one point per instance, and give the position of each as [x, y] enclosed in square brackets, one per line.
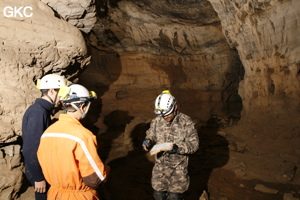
[174, 150]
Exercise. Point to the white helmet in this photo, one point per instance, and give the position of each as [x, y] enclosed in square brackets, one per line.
[164, 103]
[51, 81]
[75, 93]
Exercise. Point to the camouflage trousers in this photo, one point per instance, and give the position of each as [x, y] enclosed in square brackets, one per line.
[163, 195]
[166, 178]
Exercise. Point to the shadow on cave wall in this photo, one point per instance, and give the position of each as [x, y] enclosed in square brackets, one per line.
[213, 153]
[104, 70]
[130, 175]
[116, 122]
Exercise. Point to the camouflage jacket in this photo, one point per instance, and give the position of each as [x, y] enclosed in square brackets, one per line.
[170, 170]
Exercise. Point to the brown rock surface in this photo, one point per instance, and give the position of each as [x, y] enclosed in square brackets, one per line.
[141, 48]
[30, 47]
[41, 44]
[265, 35]
[263, 147]
[80, 13]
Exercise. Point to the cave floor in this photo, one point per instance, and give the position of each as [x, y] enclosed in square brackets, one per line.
[131, 171]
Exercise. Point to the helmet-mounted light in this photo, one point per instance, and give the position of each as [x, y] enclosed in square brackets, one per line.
[158, 111]
[64, 92]
[93, 94]
[164, 104]
[81, 95]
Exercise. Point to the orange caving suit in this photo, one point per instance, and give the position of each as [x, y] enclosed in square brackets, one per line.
[69, 160]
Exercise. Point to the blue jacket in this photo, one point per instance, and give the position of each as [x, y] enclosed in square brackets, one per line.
[35, 121]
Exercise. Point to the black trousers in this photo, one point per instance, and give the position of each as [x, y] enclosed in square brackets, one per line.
[40, 196]
[164, 195]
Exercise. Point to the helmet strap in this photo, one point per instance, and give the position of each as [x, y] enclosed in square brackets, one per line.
[86, 110]
[54, 102]
[76, 109]
[83, 114]
[175, 110]
[71, 111]
[51, 100]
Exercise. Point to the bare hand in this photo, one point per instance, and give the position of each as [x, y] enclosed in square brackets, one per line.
[40, 187]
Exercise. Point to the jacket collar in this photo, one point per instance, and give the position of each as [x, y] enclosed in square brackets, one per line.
[45, 104]
[65, 117]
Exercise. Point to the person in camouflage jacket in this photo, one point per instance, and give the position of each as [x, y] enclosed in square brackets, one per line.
[170, 177]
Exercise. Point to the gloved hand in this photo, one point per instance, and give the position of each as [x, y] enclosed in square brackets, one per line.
[146, 144]
[174, 150]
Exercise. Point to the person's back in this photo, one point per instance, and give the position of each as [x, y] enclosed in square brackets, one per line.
[66, 147]
[68, 153]
[35, 120]
[39, 114]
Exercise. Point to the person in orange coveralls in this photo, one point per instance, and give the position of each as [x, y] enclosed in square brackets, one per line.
[68, 152]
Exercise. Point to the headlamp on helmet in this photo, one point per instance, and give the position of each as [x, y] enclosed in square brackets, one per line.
[93, 94]
[164, 104]
[76, 93]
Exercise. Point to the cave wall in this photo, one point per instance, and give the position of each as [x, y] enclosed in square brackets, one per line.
[146, 41]
[264, 144]
[265, 33]
[31, 45]
[140, 48]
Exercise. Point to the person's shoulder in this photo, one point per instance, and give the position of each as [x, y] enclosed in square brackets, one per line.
[70, 128]
[156, 119]
[85, 134]
[34, 108]
[184, 117]
[81, 131]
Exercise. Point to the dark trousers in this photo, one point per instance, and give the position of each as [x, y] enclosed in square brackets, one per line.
[164, 195]
[40, 196]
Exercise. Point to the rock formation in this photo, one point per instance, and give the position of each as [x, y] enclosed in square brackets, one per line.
[80, 13]
[31, 46]
[154, 46]
[140, 49]
[265, 35]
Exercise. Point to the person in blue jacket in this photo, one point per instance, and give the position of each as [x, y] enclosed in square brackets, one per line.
[36, 120]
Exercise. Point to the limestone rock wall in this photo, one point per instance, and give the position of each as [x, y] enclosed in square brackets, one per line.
[141, 48]
[41, 44]
[11, 171]
[80, 13]
[265, 33]
[29, 48]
